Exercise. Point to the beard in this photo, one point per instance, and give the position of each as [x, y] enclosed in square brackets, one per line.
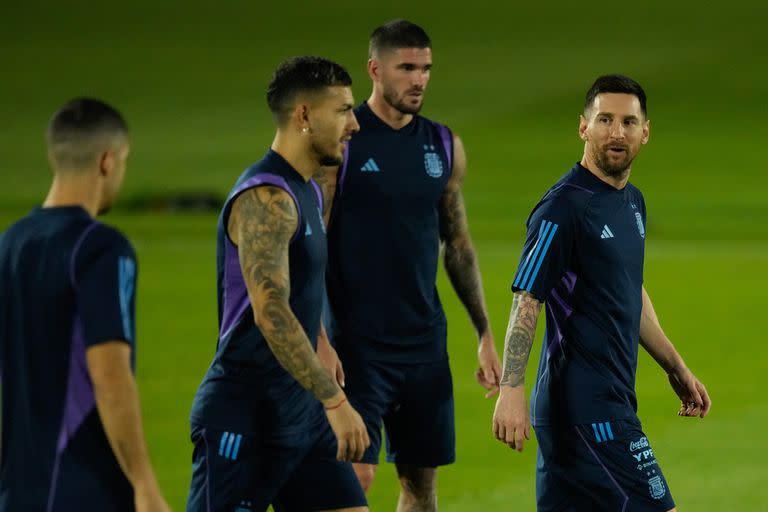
[325, 157]
[614, 168]
[399, 104]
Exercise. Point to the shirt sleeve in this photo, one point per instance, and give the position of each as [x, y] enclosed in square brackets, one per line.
[547, 250]
[105, 285]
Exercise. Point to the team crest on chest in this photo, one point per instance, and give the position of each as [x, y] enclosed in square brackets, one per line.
[432, 163]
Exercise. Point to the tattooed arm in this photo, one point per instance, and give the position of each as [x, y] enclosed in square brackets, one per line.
[261, 224]
[463, 271]
[326, 177]
[510, 419]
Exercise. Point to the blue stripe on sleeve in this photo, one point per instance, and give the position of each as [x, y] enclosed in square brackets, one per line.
[528, 258]
[597, 434]
[223, 442]
[610, 432]
[547, 227]
[237, 446]
[541, 258]
[229, 445]
[126, 277]
[602, 431]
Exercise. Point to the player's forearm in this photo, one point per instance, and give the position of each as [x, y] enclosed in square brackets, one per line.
[654, 340]
[290, 345]
[464, 273]
[117, 402]
[519, 338]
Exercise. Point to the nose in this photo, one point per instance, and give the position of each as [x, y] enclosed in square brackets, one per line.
[355, 125]
[617, 130]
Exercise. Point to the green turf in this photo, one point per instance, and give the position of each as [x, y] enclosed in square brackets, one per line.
[510, 80]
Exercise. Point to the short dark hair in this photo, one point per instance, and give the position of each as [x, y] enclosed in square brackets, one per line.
[303, 74]
[398, 34]
[615, 84]
[80, 130]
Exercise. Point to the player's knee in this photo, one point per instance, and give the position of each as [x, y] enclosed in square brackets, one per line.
[365, 474]
[418, 486]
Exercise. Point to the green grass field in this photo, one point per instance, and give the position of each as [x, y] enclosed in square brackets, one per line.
[510, 80]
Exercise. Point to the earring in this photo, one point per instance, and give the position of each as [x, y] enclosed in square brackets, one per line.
[304, 130]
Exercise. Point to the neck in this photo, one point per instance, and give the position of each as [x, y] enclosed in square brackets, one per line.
[75, 189]
[386, 112]
[294, 147]
[617, 182]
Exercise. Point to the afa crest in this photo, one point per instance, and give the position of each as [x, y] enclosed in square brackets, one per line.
[432, 163]
[656, 487]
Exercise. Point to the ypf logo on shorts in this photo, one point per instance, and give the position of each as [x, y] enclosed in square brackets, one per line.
[639, 444]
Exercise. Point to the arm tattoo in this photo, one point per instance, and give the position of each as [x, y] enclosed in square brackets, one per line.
[326, 178]
[519, 338]
[264, 219]
[460, 259]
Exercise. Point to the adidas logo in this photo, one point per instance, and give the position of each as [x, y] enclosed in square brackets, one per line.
[370, 166]
[607, 233]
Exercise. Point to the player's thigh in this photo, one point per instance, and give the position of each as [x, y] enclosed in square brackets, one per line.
[371, 388]
[420, 429]
[234, 471]
[320, 482]
[605, 466]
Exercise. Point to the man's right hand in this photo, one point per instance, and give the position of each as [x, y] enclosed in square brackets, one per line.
[149, 500]
[347, 425]
[511, 423]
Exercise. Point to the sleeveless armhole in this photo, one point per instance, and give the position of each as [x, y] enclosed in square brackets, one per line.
[447, 139]
[259, 180]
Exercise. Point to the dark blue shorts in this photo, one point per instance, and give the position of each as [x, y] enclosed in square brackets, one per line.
[602, 466]
[414, 402]
[236, 473]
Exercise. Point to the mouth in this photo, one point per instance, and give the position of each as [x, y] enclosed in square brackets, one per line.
[616, 150]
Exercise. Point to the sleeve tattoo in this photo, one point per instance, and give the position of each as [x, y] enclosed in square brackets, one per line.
[519, 338]
[264, 219]
[460, 259]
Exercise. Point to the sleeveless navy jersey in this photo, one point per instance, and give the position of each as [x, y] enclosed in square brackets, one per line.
[246, 390]
[583, 257]
[384, 236]
[66, 284]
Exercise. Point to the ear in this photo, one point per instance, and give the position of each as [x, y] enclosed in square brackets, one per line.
[583, 124]
[646, 132]
[301, 116]
[373, 69]
[106, 162]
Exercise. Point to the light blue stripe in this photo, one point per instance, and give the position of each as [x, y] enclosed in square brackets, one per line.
[608, 230]
[229, 445]
[602, 431]
[521, 271]
[546, 225]
[223, 442]
[597, 434]
[541, 258]
[237, 446]
[126, 274]
[608, 428]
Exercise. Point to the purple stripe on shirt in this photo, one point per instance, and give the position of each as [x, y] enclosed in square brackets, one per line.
[79, 401]
[344, 165]
[236, 301]
[445, 136]
[559, 310]
[76, 249]
[318, 192]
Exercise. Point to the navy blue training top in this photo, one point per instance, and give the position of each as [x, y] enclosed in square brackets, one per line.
[583, 257]
[384, 239]
[246, 390]
[67, 283]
